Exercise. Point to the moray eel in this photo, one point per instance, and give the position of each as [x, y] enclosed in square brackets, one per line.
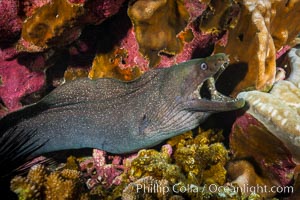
[121, 117]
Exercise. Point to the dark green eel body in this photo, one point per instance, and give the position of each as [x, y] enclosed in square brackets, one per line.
[121, 117]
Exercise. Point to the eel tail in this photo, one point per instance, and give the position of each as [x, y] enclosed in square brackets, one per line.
[16, 148]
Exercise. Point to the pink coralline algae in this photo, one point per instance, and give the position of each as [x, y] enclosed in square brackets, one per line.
[30, 6]
[16, 82]
[103, 169]
[132, 47]
[10, 22]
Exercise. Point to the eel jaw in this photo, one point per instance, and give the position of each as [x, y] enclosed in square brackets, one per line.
[217, 101]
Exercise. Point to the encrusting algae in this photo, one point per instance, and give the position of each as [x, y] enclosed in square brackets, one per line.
[183, 168]
[156, 36]
[54, 24]
[202, 158]
[254, 33]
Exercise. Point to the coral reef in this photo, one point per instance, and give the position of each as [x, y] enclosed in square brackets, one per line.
[294, 63]
[250, 140]
[185, 160]
[202, 158]
[278, 110]
[98, 171]
[175, 40]
[156, 164]
[183, 168]
[60, 22]
[263, 28]
[151, 188]
[39, 184]
[141, 40]
[156, 36]
[123, 39]
[271, 122]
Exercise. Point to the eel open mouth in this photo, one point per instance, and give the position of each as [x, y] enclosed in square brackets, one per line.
[207, 92]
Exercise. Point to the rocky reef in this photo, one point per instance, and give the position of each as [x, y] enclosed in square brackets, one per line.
[271, 122]
[263, 28]
[185, 167]
[44, 43]
[123, 39]
[278, 110]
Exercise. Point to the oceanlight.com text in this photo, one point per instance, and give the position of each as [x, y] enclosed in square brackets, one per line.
[155, 187]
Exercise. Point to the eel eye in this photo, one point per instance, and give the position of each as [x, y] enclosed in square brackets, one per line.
[203, 66]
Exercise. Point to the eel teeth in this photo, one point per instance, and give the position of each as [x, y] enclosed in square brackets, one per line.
[214, 93]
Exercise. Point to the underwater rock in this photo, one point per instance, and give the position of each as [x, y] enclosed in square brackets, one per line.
[174, 39]
[131, 54]
[279, 110]
[10, 22]
[250, 140]
[16, 81]
[264, 27]
[296, 193]
[245, 176]
[73, 73]
[111, 176]
[268, 133]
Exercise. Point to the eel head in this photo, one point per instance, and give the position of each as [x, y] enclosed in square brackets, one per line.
[206, 97]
